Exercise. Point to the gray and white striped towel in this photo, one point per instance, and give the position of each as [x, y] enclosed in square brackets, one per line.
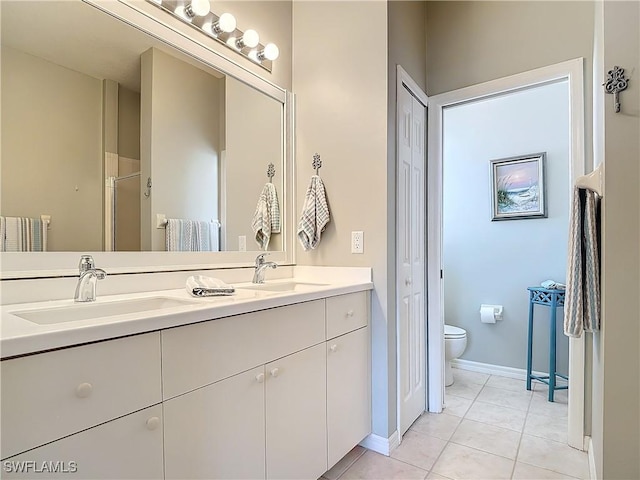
[582, 297]
[21, 234]
[315, 215]
[187, 235]
[266, 219]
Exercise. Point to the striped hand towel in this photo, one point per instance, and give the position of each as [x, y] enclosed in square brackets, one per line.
[188, 235]
[266, 219]
[315, 215]
[21, 234]
[582, 298]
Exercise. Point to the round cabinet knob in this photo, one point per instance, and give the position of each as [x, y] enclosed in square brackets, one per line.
[275, 372]
[333, 348]
[153, 423]
[407, 282]
[350, 313]
[83, 390]
[260, 378]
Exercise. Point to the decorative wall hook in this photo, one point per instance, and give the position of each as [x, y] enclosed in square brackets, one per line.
[615, 84]
[148, 192]
[271, 171]
[317, 163]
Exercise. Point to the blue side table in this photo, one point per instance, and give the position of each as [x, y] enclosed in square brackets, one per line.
[553, 299]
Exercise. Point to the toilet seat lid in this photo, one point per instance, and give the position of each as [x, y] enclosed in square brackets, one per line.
[454, 332]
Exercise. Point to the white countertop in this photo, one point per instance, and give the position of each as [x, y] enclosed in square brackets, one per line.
[19, 336]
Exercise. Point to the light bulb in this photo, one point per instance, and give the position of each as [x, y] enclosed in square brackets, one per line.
[250, 39]
[226, 23]
[270, 52]
[197, 8]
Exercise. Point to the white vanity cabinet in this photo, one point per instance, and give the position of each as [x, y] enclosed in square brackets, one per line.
[280, 393]
[245, 395]
[348, 373]
[55, 394]
[217, 431]
[128, 447]
[348, 397]
[262, 395]
[296, 415]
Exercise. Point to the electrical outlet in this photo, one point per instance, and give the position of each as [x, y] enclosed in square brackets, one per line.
[242, 243]
[357, 242]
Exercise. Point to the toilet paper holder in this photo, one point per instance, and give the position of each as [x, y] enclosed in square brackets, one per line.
[497, 310]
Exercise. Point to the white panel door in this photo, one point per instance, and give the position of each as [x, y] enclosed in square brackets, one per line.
[411, 264]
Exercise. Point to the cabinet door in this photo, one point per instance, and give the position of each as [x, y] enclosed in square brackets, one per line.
[129, 447]
[296, 415]
[348, 399]
[217, 431]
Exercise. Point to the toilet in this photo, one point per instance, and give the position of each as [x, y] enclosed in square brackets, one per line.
[455, 341]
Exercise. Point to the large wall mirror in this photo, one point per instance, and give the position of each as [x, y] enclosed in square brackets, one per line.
[112, 131]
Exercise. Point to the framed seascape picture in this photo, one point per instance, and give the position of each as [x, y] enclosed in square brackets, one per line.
[518, 187]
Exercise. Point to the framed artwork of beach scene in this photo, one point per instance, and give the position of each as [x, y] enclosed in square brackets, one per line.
[518, 187]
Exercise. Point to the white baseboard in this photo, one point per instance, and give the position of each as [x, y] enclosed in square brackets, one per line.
[510, 372]
[380, 444]
[592, 460]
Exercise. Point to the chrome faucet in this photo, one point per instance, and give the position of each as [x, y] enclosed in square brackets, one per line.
[89, 275]
[261, 266]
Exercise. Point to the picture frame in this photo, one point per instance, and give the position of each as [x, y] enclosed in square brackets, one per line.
[518, 189]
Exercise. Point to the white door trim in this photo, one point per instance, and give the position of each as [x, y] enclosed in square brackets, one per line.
[573, 72]
[404, 80]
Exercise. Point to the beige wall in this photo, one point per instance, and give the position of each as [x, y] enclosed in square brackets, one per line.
[51, 166]
[179, 143]
[345, 111]
[253, 140]
[472, 42]
[128, 123]
[616, 415]
[271, 19]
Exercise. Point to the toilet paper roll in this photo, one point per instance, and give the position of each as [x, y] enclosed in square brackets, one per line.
[487, 314]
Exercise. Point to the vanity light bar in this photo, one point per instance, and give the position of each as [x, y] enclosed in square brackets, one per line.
[222, 29]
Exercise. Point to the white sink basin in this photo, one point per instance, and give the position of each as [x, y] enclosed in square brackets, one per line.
[86, 311]
[283, 287]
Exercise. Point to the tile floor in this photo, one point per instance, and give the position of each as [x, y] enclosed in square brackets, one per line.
[492, 428]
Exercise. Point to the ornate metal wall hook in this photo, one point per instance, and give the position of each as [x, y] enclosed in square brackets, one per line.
[615, 84]
[271, 171]
[317, 163]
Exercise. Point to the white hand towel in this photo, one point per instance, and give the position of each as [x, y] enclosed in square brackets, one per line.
[582, 297]
[315, 215]
[201, 286]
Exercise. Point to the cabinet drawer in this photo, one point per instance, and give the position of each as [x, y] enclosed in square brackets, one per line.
[197, 355]
[347, 313]
[129, 447]
[51, 395]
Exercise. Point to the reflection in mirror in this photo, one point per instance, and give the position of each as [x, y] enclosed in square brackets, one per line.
[113, 133]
